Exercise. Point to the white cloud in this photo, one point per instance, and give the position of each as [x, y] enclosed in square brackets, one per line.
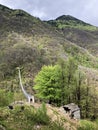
[38, 13]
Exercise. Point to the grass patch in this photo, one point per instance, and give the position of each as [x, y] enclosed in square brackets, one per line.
[87, 125]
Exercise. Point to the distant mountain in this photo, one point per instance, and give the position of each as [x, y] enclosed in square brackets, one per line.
[68, 18]
[77, 31]
[30, 43]
[72, 22]
[22, 22]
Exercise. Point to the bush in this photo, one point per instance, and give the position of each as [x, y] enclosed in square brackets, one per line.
[41, 117]
[87, 125]
[5, 98]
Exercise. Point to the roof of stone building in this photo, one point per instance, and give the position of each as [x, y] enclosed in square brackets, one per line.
[72, 106]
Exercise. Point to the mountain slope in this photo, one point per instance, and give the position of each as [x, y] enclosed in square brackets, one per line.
[30, 43]
[71, 22]
[77, 31]
[22, 22]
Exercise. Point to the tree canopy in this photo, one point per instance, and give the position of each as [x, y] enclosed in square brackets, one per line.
[47, 83]
[54, 83]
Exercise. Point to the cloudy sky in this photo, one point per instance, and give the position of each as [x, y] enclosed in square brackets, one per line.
[86, 10]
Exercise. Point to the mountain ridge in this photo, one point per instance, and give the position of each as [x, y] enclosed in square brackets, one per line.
[77, 31]
[28, 42]
[69, 17]
[20, 28]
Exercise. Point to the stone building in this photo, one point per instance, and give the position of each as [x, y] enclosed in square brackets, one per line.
[73, 110]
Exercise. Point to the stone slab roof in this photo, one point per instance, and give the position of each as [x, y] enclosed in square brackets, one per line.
[72, 106]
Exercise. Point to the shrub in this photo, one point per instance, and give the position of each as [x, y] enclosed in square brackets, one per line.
[5, 98]
[41, 116]
[87, 125]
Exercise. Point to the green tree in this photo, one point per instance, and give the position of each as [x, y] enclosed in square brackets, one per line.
[47, 83]
[70, 70]
[55, 83]
[67, 73]
[79, 86]
[85, 95]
